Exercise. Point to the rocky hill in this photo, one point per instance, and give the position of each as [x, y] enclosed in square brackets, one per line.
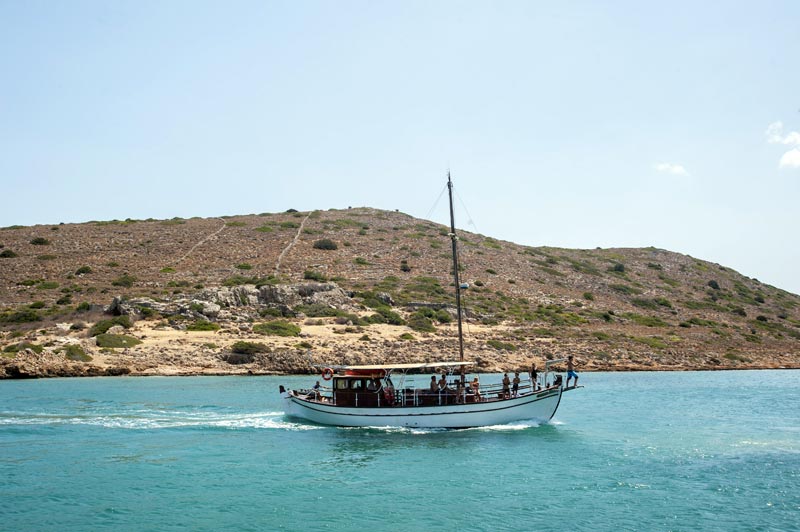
[363, 285]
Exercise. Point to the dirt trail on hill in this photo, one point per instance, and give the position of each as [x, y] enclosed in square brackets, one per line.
[203, 241]
[291, 244]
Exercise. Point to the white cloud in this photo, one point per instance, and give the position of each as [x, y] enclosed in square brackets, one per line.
[791, 159]
[774, 133]
[670, 168]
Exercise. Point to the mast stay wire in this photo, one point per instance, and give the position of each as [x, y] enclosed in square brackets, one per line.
[435, 203]
[469, 222]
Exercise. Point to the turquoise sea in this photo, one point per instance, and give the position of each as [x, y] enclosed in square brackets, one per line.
[693, 451]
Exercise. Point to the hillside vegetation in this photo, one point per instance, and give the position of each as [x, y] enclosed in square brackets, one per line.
[614, 308]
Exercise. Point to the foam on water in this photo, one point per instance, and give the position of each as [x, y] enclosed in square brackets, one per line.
[143, 419]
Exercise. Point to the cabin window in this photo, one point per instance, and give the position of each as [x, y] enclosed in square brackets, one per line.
[341, 384]
[356, 384]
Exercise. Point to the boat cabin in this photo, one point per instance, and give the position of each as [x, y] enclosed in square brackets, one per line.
[374, 388]
[363, 390]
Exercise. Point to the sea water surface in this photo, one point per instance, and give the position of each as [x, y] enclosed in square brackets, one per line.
[692, 451]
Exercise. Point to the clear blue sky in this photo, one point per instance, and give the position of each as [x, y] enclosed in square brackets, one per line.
[571, 124]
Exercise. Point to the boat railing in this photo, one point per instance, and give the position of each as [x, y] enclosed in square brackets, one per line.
[412, 396]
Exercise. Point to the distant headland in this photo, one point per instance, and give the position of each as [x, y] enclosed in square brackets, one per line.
[288, 292]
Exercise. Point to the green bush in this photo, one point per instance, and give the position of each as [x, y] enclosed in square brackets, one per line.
[645, 303]
[249, 348]
[76, 352]
[390, 317]
[7, 254]
[124, 280]
[361, 261]
[40, 241]
[651, 341]
[83, 270]
[277, 328]
[314, 276]
[501, 346]
[47, 285]
[271, 312]
[325, 243]
[167, 269]
[37, 305]
[624, 289]
[16, 348]
[588, 296]
[115, 341]
[319, 310]
[418, 322]
[442, 316]
[104, 325]
[407, 336]
[244, 266]
[203, 325]
[647, 321]
[20, 316]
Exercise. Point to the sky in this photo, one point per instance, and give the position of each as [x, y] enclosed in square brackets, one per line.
[568, 124]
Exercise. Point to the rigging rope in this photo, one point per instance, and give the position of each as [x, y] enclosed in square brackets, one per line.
[436, 203]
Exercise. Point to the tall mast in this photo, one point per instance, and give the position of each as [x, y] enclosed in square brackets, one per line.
[454, 240]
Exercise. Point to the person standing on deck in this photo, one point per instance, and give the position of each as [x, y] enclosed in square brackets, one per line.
[515, 386]
[534, 377]
[571, 371]
[506, 385]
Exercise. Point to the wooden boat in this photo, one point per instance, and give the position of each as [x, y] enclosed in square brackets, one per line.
[389, 394]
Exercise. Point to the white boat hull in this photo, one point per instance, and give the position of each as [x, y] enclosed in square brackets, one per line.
[540, 407]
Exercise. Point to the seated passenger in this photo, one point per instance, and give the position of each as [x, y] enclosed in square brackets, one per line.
[434, 388]
[443, 383]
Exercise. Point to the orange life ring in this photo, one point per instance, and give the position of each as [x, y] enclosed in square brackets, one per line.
[327, 374]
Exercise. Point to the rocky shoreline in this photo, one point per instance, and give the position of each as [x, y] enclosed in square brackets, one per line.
[227, 331]
[167, 348]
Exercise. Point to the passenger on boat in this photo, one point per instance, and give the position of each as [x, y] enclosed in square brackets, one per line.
[571, 371]
[373, 384]
[534, 377]
[515, 387]
[443, 383]
[434, 387]
[476, 387]
[316, 389]
[506, 384]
